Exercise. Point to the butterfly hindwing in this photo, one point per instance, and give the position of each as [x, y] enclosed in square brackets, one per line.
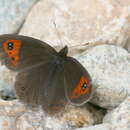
[42, 86]
[77, 82]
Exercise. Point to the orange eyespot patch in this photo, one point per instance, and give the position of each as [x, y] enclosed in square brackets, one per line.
[12, 49]
[83, 87]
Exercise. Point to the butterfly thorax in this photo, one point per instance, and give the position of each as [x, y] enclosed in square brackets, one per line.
[60, 57]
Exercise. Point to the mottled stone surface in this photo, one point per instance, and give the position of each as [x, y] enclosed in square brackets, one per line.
[9, 113]
[7, 79]
[77, 22]
[117, 119]
[109, 67]
[16, 116]
[86, 115]
[120, 117]
[97, 127]
[13, 13]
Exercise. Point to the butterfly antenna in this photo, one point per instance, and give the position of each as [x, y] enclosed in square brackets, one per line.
[57, 32]
[91, 44]
[79, 45]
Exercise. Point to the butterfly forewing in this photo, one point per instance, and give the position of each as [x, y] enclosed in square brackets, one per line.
[20, 52]
[42, 86]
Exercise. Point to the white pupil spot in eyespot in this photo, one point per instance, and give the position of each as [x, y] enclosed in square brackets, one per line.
[84, 86]
[10, 45]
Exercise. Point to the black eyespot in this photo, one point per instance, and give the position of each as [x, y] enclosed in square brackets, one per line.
[84, 86]
[10, 45]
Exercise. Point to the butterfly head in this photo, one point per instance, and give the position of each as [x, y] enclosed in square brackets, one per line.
[63, 52]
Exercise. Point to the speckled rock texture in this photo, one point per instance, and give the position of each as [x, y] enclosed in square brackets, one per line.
[120, 117]
[7, 79]
[97, 127]
[16, 116]
[77, 22]
[109, 67]
[117, 119]
[13, 14]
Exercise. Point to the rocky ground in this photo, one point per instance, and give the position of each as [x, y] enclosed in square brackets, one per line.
[98, 35]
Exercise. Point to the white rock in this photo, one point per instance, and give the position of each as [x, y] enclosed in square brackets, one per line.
[7, 79]
[15, 116]
[109, 67]
[117, 119]
[79, 22]
[97, 127]
[120, 117]
[13, 13]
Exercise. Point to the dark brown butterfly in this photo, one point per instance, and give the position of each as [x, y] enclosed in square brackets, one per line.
[45, 77]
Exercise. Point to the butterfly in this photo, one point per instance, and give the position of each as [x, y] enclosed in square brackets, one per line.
[45, 77]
